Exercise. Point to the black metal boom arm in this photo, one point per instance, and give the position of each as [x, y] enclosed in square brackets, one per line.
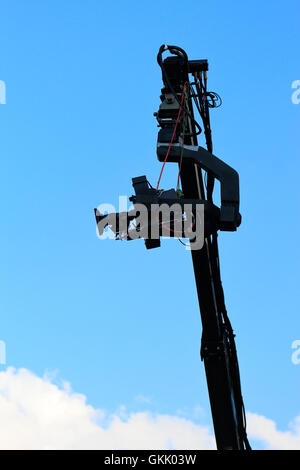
[218, 349]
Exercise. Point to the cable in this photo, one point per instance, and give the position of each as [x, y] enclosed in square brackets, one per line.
[184, 244]
[216, 100]
[228, 331]
[203, 106]
[166, 157]
[184, 123]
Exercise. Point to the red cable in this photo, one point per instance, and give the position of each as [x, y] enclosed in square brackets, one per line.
[182, 142]
[181, 152]
[177, 120]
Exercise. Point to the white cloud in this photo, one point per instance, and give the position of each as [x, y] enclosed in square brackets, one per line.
[265, 430]
[37, 414]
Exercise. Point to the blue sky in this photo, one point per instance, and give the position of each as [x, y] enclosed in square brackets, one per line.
[115, 320]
